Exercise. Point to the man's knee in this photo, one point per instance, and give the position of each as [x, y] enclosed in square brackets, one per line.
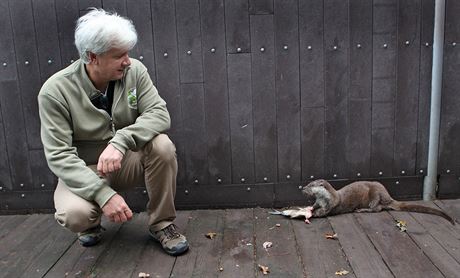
[78, 219]
[162, 147]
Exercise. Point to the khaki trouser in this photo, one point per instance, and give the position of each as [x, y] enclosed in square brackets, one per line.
[155, 164]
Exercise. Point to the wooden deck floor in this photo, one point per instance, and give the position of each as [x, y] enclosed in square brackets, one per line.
[368, 245]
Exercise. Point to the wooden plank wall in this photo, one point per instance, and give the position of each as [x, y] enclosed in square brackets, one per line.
[264, 95]
[449, 152]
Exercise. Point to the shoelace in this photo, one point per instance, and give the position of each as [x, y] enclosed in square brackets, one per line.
[171, 232]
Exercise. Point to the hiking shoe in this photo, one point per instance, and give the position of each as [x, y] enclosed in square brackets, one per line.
[171, 240]
[90, 237]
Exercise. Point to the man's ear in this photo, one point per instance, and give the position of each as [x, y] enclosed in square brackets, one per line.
[92, 58]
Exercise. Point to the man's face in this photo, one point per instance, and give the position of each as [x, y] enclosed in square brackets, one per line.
[111, 64]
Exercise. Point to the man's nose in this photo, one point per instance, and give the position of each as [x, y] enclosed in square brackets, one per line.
[126, 62]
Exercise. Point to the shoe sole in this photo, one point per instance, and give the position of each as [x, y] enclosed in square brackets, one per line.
[89, 244]
[168, 251]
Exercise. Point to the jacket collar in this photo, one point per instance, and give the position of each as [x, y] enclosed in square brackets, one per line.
[84, 80]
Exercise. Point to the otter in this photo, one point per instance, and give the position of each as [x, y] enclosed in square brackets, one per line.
[360, 196]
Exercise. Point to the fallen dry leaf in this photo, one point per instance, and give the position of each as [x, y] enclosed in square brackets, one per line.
[210, 235]
[267, 244]
[277, 225]
[342, 272]
[401, 225]
[264, 269]
[330, 236]
[143, 275]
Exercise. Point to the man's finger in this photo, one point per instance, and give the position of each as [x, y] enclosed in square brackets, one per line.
[117, 165]
[99, 166]
[104, 167]
[123, 217]
[129, 214]
[109, 167]
[116, 218]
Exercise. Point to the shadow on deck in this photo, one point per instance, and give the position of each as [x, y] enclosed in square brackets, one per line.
[367, 245]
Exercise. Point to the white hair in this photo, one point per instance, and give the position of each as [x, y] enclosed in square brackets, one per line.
[98, 31]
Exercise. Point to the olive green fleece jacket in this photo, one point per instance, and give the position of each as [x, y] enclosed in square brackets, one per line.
[74, 132]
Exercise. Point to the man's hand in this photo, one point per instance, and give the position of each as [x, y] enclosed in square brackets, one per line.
[116, 209]
[109, 160]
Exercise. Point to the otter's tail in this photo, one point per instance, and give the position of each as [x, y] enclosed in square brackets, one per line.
[420, 208]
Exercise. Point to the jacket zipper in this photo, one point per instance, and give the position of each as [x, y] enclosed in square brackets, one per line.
[116, 102]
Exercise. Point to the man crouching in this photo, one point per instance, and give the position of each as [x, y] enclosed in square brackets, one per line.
[102, 128]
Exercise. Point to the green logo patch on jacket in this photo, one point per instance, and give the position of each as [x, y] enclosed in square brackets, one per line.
[132, 98]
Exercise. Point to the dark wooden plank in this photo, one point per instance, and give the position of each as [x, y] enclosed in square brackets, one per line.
[359, 137]
[8, 67]
[260, 6]
[5, 171]
[429, 244]
[19, 201]
[383, 86]
[225, 196]
[16, 145]
[321, 257]
[78, 261]
[282, 258]
[42, 175]
[237, 255]
[395, 246]
[311, 31]
[202, 260]
[382, 145]
[312, 87]
[84, 5]
[450, 126]
[153, 260]
[237, 26]
[167, 70]
[358, 151]
[450, 206]
[52, 243]
[67, 14]
[216, 91]
[241, 119]
[139, 11]
[426, 61]
[288, 194]
[120, 258]
[189, 41]
[360, 49]
[28, 69]
[14, 167]
[446, 234]
[336, 45]
[46, 30]
[287, 89]
[449, 186]
[10, 222]
[406, 105]
[196, 152]
[20, 233]
[313, 131]
[360, 252]
[118, 6]
[264, 98]
[34, 247]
